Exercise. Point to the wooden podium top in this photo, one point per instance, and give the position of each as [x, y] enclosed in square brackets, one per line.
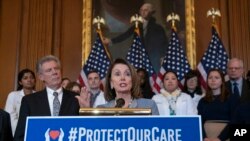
[114, 111]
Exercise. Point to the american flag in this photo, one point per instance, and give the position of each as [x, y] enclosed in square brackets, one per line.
[138, 57]
[215, 57]
[175, 60]
[98, 60]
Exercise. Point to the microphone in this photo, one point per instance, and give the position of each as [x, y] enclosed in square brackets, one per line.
[119, 103]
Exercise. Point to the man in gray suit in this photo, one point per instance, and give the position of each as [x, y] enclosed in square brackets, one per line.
[51, 101]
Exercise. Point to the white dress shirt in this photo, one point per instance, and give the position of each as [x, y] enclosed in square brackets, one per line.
[197, 98]
[99, 100]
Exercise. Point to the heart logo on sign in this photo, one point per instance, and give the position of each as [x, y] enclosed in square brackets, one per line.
[54, 134]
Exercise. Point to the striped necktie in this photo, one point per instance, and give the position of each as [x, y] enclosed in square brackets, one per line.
[56, 104]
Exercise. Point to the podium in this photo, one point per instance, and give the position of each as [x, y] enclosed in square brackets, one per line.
[113, 128]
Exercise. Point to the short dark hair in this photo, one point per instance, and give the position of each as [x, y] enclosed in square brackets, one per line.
[189, 75]
[168, 71]
[92, 71]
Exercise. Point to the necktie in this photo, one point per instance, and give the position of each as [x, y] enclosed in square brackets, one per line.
[93, 98]
[235, 88]
[56, 104]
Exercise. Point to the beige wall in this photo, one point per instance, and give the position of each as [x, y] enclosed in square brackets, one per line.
[35, 28]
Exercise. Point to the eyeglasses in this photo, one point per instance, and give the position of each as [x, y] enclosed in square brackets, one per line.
[234, 68]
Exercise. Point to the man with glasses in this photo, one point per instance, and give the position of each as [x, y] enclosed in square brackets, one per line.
[239, 89]
[237, 84]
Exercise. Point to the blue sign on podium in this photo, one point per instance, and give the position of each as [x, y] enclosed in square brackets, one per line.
[113, 128]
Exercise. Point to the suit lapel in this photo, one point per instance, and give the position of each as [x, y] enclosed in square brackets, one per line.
[245, 91]
[64, 103]
[44, 102]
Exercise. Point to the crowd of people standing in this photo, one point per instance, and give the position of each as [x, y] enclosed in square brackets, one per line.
[222, 100]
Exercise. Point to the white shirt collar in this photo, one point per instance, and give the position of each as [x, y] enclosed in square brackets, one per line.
[50, 91]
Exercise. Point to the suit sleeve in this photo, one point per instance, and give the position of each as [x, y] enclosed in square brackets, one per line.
[154, 108]
[5, 127]
[24, 112]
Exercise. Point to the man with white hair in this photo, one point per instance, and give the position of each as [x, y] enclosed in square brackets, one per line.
[152, 34]
[53, 100]
[237, 84]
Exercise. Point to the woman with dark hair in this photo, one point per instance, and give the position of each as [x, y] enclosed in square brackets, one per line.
[171, 101]
[192, 86]
[144, 83]
[25, 85]
[217, 104]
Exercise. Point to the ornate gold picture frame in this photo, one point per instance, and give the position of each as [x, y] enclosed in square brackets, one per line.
[189, 33]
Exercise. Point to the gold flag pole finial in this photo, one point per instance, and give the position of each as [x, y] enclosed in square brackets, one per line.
[173, 18]
[136, 19]
[98, 22]
[213, 13]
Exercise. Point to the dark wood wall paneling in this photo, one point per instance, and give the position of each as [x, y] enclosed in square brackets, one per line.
[30, 29]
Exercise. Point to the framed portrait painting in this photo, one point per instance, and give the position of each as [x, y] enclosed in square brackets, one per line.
[117, 14]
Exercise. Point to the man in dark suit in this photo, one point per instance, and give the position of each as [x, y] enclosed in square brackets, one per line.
[242, 114]
[239, 89]
[52, 101]
[237, 84]
[153, 36]
[5, 127]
